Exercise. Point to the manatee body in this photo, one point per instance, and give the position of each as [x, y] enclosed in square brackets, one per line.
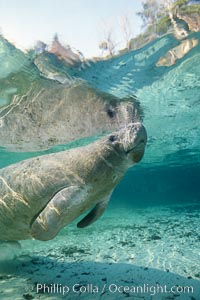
[39, 196]
[49, 113]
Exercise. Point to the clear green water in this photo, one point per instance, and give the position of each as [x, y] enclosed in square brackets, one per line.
[169, 173]
[169, 97]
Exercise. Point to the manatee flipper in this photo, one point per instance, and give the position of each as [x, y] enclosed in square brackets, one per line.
[60, 211]
[94, 214]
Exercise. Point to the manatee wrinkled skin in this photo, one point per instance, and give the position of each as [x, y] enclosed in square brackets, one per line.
[39, 196]
[49, 114]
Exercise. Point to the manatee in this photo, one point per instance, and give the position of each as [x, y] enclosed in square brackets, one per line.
[41, 195]
[48, 113]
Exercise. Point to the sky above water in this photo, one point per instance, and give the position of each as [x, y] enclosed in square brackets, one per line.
[79, 23]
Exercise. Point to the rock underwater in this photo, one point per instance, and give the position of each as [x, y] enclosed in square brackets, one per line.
[41, 195]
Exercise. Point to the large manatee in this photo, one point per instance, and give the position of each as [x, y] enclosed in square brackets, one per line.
[48, 113]
[39, 196]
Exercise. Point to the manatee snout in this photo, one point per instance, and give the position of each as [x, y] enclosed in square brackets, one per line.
[134, 141]
[139, 135]
[140, 144]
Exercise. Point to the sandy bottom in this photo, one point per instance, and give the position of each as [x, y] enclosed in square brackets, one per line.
[135, 254]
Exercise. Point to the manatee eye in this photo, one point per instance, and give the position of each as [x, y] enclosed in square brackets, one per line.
[112, 138]
[110, 113]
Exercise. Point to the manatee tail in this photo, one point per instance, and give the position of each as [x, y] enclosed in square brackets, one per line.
[94, 214]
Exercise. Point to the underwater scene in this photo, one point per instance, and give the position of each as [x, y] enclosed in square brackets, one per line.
[100, 164]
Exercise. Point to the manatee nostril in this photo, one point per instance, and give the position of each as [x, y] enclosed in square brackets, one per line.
[110, 113]
[112, 138]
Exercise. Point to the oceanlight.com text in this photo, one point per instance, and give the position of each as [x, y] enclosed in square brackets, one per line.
[112, 288]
